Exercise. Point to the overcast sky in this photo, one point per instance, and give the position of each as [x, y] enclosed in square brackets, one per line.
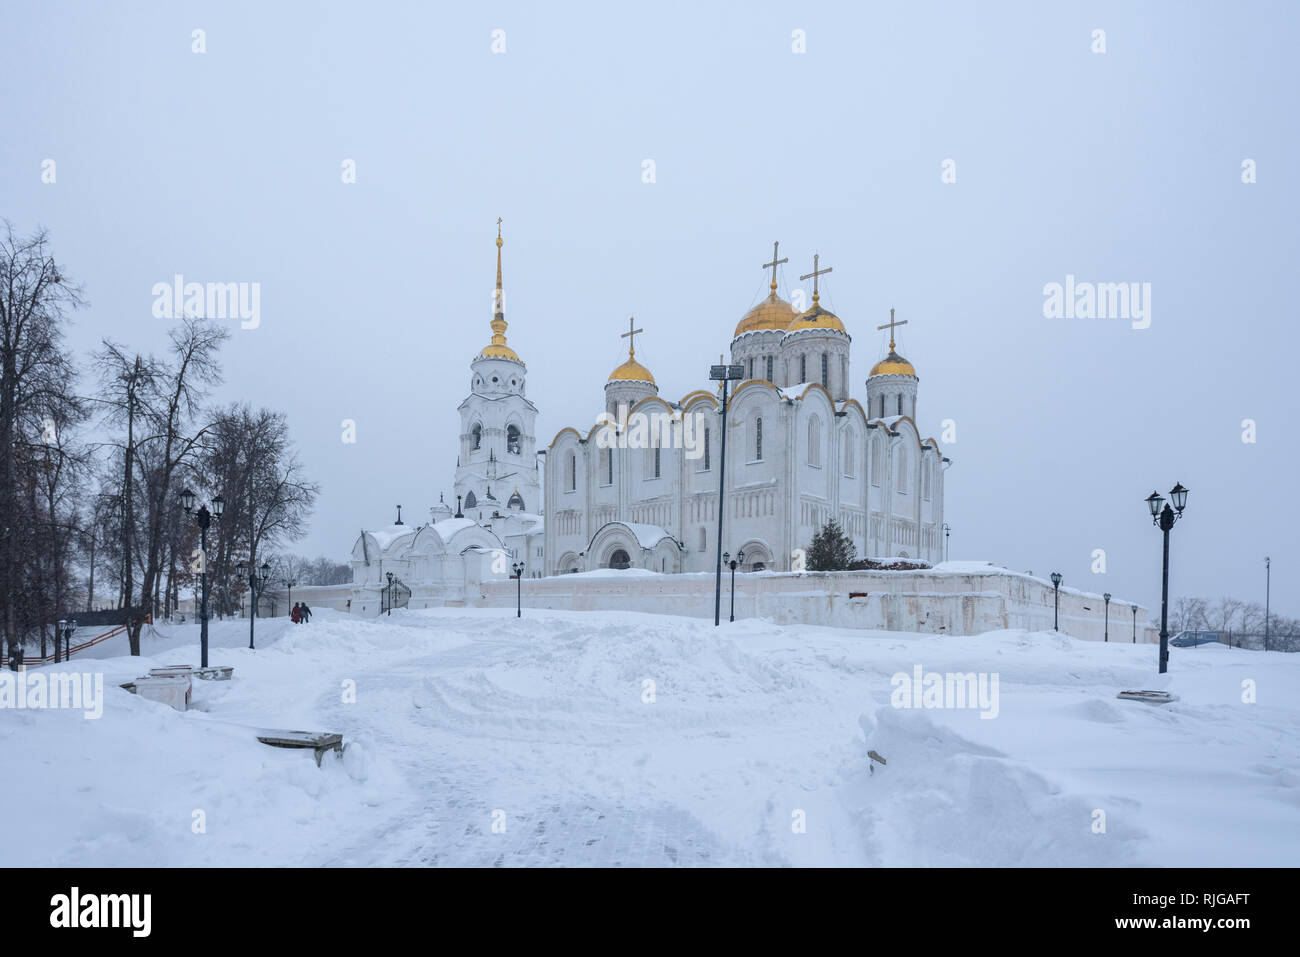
[1122, 166]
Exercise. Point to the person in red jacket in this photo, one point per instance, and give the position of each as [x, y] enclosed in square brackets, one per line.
[296, 614]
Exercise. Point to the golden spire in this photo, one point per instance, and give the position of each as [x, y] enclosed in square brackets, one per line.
[498, 348]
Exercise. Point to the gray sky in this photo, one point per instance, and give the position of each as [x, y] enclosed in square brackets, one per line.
[1115, 167]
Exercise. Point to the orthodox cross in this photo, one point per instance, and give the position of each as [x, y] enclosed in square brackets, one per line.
[399, 516]
[815, 273]
[498, 227]
[630, 335]
[776, 262]
[890, 326]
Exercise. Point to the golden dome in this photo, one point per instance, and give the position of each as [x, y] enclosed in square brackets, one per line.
[892, 364]
[772, 313]
[632, 370]
[816, 318]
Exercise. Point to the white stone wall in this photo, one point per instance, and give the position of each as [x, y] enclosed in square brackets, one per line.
[927, 601]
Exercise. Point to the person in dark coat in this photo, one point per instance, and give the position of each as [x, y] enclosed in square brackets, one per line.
[296, 614]
[16, 657]
[306, 613]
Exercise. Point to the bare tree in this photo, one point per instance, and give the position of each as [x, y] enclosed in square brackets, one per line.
[35, 372]
[156, 401]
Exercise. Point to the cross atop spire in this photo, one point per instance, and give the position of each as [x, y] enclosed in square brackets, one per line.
[631, 335]
[890, 326]
[814, 274]
[774, 263]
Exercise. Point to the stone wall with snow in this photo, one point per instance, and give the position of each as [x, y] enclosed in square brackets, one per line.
[957, 598]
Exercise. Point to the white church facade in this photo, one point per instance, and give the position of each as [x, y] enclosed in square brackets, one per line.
[800, 450]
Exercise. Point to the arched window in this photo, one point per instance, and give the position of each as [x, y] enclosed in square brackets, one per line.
[902, 471]
[900, 403]
[849, 452]
[657, 452]
[476, 436]
[877, 461]
[826, 370]
[512, 439]
[470, 500]
[607, 466]
[758, 438]
[572, 477]
[769, 368]
[814, 441]
[803, 369]
[706, 448]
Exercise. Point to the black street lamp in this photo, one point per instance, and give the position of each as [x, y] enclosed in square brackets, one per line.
[1268, 574]
[947, 530]
[66, 628]
[289, 583]
[390, 592]
[519, 589]
[1163, 517]
[1135, 623]
[1106, 636]
[257, 578]
[1056, 588]
[733, 562]
[204, 519]
[724, 373]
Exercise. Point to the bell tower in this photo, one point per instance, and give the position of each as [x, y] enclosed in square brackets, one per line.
[497, 464]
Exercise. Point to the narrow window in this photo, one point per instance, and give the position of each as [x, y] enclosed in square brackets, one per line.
[900, 403]
[573, 472]
[826, 371]
[476, 436]
[769, 368]
[706, 448]
[758, 438]
[803, 369]
[512, 440]
[814, 442]
[657, 461]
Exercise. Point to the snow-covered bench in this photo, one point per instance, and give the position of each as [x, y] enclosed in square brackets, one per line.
[318, 741]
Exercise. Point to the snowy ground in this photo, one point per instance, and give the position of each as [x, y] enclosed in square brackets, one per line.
[466, 718]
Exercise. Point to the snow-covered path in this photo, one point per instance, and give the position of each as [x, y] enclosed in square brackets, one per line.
[479, 739]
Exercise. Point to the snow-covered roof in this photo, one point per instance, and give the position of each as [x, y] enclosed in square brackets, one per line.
[390, 533]
[647, 536]
[450, 526]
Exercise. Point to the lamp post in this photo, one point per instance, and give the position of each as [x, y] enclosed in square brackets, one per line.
[519, 589]
[1163, 517]
[66, 629]
[724, 373]
[204, 519]
[947, 530]
[390, 594]
[1056, 588]
[289, 583]
[1106, 635]
[733, 562]
[257, 578]
[1135, 623]
[1268, 574]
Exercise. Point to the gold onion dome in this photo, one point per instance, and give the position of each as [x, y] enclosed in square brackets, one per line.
[498, 349]
[632, 370]
[772, 313]
[816, 318]
[892, 364]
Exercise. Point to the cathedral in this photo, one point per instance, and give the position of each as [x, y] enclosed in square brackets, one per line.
[800, 451]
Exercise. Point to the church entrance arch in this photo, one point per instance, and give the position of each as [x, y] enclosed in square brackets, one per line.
[619, 558]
